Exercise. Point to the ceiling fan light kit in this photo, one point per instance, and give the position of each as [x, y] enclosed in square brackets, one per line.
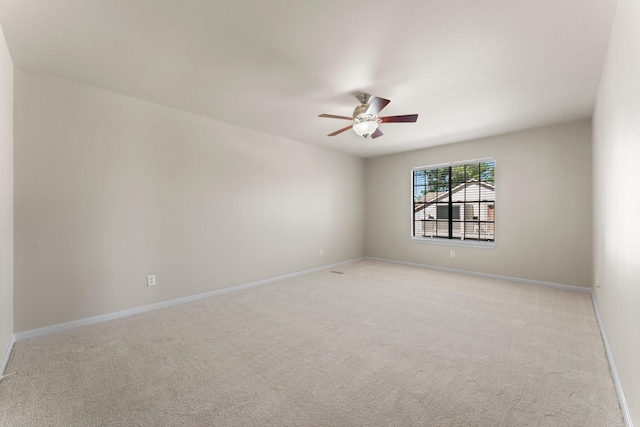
[365, 117]
[365, 124]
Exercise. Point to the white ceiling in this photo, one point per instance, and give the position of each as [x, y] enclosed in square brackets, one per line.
[469, 68]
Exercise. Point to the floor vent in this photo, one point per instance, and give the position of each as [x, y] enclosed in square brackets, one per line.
[337, 272]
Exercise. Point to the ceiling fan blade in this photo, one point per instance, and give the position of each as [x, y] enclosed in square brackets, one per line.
[341, 130]
[376, 105]
[376, 134]
[408, 118]
[331, 116]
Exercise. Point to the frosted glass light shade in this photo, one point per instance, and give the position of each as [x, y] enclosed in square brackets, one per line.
[365, 128]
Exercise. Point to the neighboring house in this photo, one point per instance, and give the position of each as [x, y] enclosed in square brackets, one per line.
[472, 212]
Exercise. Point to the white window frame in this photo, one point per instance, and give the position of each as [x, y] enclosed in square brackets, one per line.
[443, 241]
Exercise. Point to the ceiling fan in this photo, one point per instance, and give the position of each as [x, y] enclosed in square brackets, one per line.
[365, 117]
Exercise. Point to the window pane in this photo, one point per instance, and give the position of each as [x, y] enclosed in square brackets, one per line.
[442, 212]
[455, 202]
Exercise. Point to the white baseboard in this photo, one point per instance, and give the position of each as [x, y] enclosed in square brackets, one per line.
[489, 276]
[111, 316]
[7, 354]
[614, 372]
[612, 365]
[103, 318]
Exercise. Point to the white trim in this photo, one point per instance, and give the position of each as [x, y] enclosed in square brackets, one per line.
[414, 238]
[460, 163]
[98, 319]
[490, 276]
[624, 408]
[110, 316]
[7, 354]
[451, 242]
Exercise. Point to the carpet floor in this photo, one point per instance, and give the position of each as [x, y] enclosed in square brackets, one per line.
[381, 344]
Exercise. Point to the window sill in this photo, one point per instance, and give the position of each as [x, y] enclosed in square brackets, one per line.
[448, 242]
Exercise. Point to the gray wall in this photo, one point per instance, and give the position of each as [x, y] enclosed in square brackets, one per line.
[616, 165]
[6, 197]
[109, 189]
[543, 206]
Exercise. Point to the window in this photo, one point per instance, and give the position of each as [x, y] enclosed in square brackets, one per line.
[455, 202]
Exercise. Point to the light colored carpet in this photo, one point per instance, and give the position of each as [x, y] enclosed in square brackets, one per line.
[381, 344]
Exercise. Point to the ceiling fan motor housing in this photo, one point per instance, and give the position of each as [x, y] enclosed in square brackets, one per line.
[360, 110]
[364, 98]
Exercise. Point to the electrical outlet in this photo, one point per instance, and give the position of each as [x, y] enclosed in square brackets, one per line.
[453, 254]
[151, 280]
[321, 252]
[597, 282]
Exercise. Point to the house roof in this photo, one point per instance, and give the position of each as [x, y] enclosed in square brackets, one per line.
[469, 69]
[433, 197]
